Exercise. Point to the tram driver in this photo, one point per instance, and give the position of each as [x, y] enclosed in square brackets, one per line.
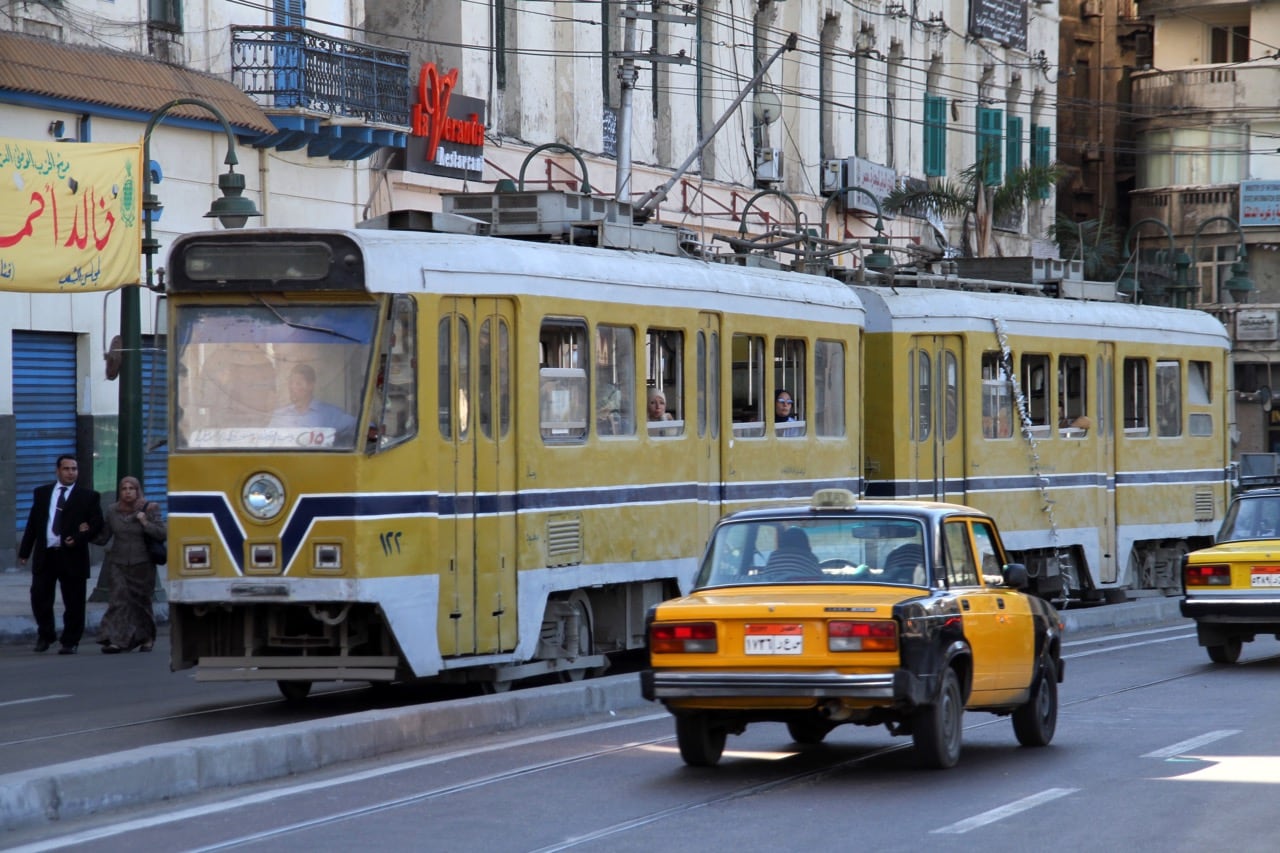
[303, 410]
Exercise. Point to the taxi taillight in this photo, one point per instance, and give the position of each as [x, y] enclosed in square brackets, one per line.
[862, 636]
[674, 638]
[1208, 575]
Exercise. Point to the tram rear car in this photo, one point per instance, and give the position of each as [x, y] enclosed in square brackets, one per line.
[400, 455]
[1096, 432]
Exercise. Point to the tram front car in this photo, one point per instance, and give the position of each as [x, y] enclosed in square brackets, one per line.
[289, 381]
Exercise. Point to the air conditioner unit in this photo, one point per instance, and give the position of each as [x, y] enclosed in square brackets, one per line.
[832, 176]
[168, 47]
[768, 165]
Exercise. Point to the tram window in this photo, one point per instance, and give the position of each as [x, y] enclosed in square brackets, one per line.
[828, 389]
[789, 375]
[285, 377]
[748, 386]
[1199, 394]
[1168, 398]
[962, 569]
[444, 377]
[463, 408]
[997, 397]
[1136, 401]
[495, 377]
[951, 379]
[1035, 389]
[713, 384]
[615, 360]
[562, 381]
[1073, 411]
[701, 367]
[922, 381]
[664, 374]
[396, 412]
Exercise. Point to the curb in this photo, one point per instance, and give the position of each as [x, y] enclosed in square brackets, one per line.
[149, 774]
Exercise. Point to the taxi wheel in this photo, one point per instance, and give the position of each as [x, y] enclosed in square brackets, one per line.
[1035, 722]
[1228, 652]
[294, 692]
[701, 742]
[936, 728]
[809, 730]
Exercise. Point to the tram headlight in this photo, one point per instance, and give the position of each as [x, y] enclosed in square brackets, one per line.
[263, 496]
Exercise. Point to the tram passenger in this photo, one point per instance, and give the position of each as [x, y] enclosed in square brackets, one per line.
[784, 411]
[657, 408]
[304, 410]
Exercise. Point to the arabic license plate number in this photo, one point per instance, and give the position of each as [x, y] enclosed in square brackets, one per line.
[774, 640]
[1269, 576]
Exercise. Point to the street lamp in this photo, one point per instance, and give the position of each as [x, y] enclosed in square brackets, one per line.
[1239, 284]
[233, 210]
[1128, 281]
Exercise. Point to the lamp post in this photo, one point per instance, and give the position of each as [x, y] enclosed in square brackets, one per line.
[233, 211]
[878, 260]
[1239, 284]
[1128, 282]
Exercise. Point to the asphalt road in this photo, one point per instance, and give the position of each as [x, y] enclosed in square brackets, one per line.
[1156, 749]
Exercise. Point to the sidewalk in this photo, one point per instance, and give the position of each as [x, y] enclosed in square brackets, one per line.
[16, 623]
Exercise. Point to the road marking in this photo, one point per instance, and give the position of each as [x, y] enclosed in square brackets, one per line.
[1194, 743]
[1008, 810]
[36, 699]
[1128, 646]
[265, 796]
[1107, 638]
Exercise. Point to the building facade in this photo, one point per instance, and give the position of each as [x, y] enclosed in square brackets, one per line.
[719, 115]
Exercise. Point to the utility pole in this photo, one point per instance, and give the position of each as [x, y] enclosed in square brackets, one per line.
[627, 76]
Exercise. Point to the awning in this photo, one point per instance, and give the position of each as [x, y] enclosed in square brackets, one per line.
[42, 73]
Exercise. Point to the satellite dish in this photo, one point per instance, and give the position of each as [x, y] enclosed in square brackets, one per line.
[766, 108]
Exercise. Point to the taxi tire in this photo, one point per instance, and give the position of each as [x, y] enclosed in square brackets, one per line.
[936, 728]
[1035, 722]
[701, 741]
[1227, 652]
[809, 731]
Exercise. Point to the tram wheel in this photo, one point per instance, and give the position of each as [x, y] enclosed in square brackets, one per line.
[294, 691]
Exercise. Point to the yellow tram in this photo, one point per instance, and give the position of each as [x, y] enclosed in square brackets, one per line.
[400, 451]
[1096, 432]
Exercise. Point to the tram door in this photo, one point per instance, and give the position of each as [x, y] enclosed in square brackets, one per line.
[937, 429]
[475, 350]
[708, 413]
[1105, 441]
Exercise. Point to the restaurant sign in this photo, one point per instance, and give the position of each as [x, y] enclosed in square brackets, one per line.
[446, 134]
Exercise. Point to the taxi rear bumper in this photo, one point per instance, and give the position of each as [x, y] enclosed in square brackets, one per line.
[899, 687]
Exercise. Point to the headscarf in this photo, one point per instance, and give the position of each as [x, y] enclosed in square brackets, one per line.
[130, 509]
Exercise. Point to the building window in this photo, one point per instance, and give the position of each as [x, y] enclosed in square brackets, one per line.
[1229, 44]
[990, 133]
[1013, 143]
[935, 135]
[1040, 153]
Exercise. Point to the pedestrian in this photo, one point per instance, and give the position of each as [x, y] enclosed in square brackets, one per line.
[64, 518]
[129, 622]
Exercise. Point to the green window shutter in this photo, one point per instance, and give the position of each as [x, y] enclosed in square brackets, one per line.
[1013, 144]
[990, 131]
[1040, 151]
[935, 135]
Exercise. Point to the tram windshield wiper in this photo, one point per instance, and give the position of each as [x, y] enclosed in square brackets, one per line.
[295, 325]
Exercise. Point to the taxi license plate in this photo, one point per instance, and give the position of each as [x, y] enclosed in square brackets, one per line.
[1265, 576]
[774, 640]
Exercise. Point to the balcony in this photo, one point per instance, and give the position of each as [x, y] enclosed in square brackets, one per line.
[337, 98]
[1184, 208]
[1226, 89]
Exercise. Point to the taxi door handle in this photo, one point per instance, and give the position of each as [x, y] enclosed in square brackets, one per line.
[964, 604]
[1000, 603]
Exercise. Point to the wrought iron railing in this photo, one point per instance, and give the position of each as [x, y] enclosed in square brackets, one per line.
[289, 67]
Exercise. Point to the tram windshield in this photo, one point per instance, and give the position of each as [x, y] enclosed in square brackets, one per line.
[281, 377]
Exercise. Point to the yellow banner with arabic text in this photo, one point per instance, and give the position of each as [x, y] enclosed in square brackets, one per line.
[69, 215]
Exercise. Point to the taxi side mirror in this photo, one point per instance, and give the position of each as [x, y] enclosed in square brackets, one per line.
[1015, 575]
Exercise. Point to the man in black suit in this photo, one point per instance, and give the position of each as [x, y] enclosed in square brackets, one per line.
[64, 517]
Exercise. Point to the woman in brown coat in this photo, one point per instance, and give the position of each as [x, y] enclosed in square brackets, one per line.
[128, 623]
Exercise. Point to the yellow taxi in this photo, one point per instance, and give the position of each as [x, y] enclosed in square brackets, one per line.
[868, 612]
[1232, 589]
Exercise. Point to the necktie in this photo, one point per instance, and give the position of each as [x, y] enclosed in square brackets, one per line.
[57, 512]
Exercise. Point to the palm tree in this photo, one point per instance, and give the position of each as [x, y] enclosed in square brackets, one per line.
[974, 201]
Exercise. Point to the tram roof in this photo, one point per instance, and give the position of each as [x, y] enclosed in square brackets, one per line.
[935, 310]
[406, 262]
